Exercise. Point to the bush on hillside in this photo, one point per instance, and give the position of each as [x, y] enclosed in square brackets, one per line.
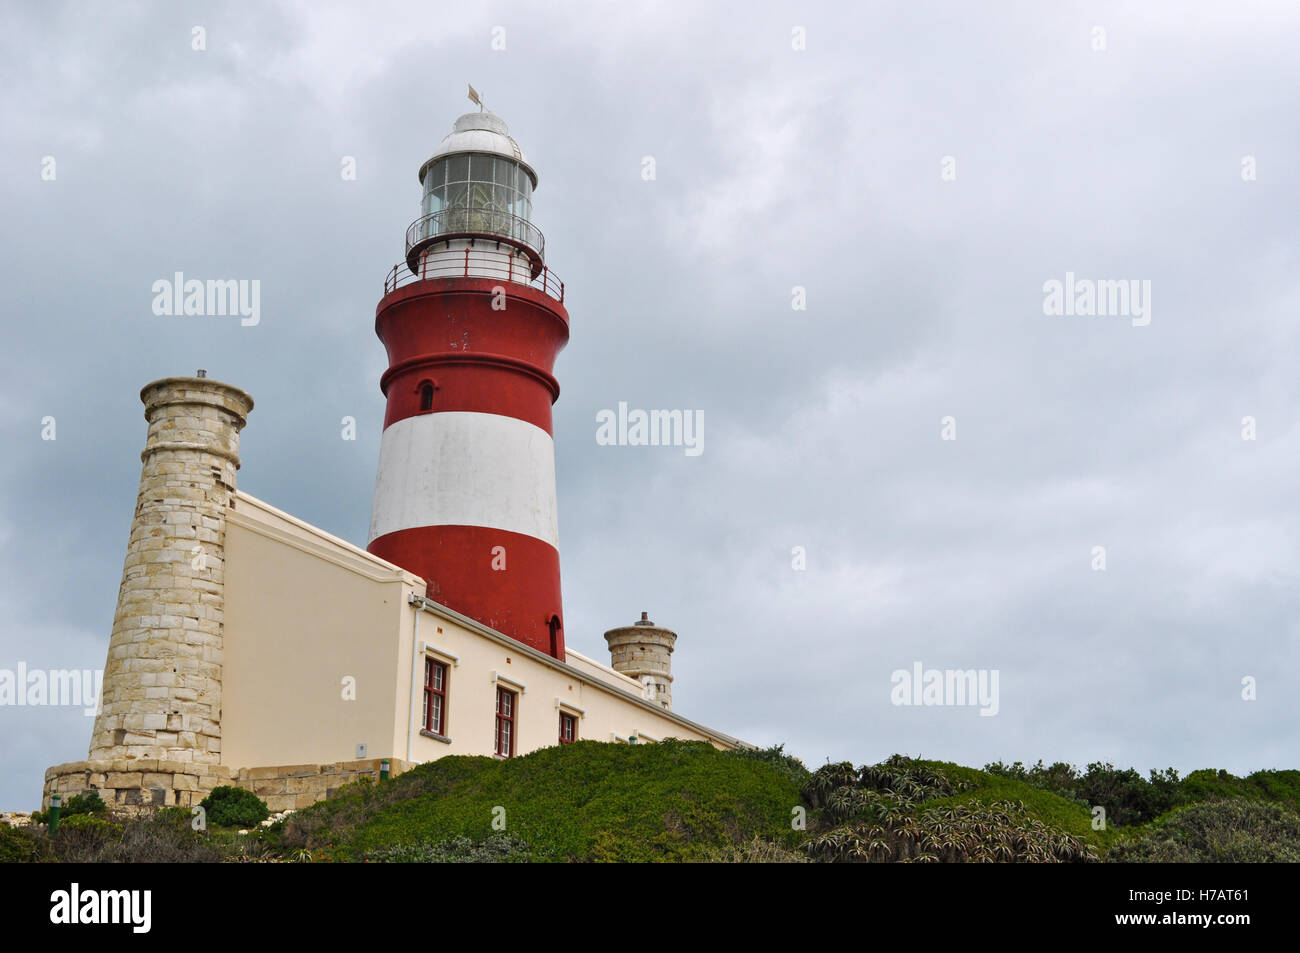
[497, 848]
[75, 806]
[20, 845]
[776, 757]
[757, 851]
[1209, 784]
[162, 836]
[1127, 797]
[234, 807]
[878, 813]
[1228, 831]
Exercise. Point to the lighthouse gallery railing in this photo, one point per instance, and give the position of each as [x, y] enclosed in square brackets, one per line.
[477, 264]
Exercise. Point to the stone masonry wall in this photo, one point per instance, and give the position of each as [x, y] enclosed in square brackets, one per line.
[128, 784]
[290, 787]
[131, 785]
[161, 700]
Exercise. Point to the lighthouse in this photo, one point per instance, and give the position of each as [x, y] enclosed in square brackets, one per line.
[472, 321]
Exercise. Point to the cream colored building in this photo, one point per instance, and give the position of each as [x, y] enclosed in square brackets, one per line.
[251, 648]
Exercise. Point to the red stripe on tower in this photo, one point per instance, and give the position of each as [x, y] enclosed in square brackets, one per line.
[473, 322]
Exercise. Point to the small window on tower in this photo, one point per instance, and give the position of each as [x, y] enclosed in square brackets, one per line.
[426, 396]
[553, 624]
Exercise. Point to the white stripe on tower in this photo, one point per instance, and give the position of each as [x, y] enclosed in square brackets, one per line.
[466, 469]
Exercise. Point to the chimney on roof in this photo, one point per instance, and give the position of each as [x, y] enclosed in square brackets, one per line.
[644, 651]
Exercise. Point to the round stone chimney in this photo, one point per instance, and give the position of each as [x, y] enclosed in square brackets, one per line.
[644, 651]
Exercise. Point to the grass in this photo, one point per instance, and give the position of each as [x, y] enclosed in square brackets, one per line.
[673, 801]
[588, 801]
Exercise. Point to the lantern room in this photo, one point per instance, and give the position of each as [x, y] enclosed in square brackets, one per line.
[477, 205]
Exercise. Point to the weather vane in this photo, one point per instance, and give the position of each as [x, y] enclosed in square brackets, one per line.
[473, 97]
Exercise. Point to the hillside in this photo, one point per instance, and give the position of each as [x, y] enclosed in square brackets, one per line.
[585, 801]
[686, 801]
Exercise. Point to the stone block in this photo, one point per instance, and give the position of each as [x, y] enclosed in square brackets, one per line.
[270, 786]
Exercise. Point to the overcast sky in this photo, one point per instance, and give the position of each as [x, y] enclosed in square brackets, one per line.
[1151, 143]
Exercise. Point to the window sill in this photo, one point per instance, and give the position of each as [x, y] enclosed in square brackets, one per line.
[429, 734]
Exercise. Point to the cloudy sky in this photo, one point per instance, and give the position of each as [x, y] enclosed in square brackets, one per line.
[918, 171]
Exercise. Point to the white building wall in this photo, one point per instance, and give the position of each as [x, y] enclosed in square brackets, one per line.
[305, 611]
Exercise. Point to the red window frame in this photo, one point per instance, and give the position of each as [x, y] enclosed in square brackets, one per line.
[507, 713]
[435, 696]
[569, 722]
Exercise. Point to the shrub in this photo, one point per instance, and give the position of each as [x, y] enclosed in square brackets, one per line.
[234, 807]
[757, 851]
[1001, 831]
[21, 845]
[496, 848]
[83, 836]
[775, 757]
[1127, 797]
[1236, 830]
[1208, 784]
[156, 837]
[88, 803]
[906, 810]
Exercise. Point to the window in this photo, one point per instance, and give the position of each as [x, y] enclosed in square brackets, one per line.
[435, 697]
[474, 192]
[568, 728]
[505, 744]
[553, 624]
[426, 396]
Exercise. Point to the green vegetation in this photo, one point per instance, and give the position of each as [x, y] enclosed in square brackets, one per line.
[496, 848]
[20, 845]
[77, 805]
[586, 801]
[914, 811]
[234, 807]
[1131, 799]
[1236, 830]
[686, 801]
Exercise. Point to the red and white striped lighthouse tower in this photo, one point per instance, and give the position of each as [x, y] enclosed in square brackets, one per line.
[473, 321]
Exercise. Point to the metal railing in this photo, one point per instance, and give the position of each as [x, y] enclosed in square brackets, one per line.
[497, 265]
[488, 222]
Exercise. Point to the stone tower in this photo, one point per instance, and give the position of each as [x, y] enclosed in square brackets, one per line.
[643, 651]
[161, 699]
